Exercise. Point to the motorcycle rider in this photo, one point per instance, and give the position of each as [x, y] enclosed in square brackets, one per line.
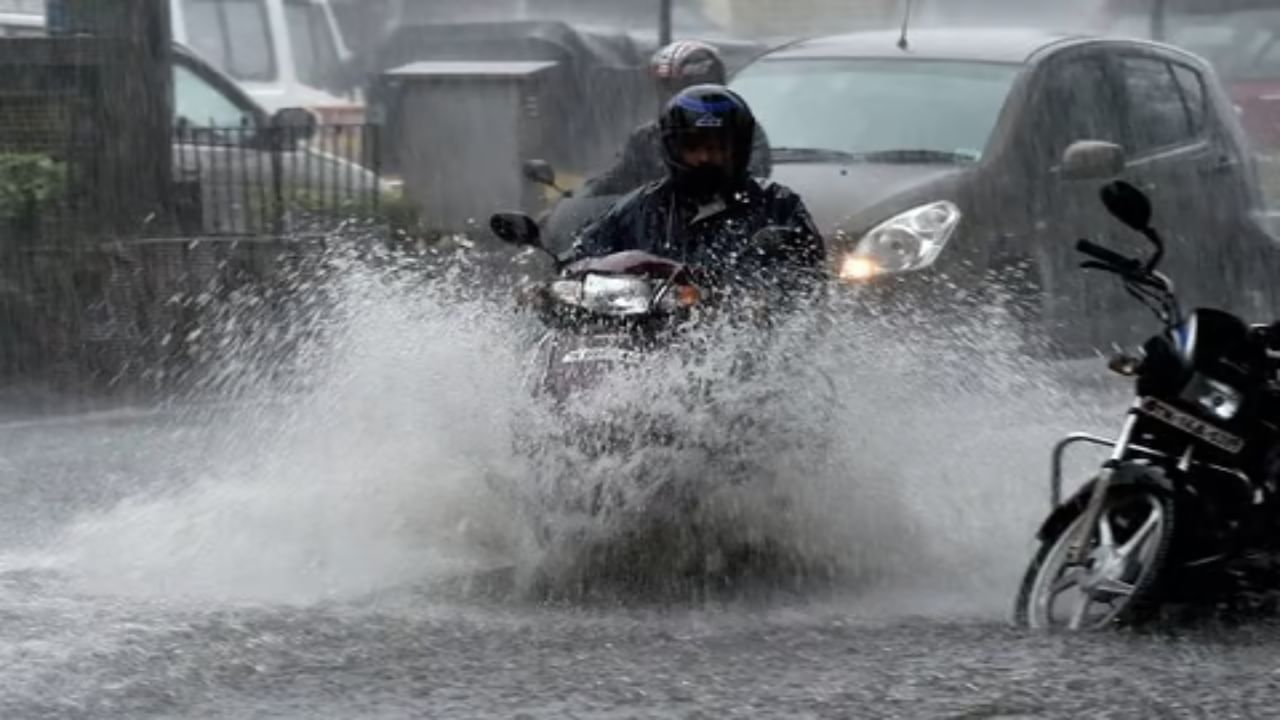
[673, 68]
[707, 210]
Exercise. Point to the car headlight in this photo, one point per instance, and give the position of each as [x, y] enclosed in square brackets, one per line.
[1216, 398]
[908, 241]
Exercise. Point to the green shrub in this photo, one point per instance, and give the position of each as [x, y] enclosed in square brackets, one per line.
[28, 181]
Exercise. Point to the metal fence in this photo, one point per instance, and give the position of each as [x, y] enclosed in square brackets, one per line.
[275, 180]
[43, 136]
[227, 181]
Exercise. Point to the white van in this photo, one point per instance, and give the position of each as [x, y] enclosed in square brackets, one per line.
[284, 53]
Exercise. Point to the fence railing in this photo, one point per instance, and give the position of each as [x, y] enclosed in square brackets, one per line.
[275, 180]
[227, 181]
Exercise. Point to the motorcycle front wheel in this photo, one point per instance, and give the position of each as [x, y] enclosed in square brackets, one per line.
[1119, 581]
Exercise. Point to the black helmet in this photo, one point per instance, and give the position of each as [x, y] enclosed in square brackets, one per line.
[683, 63]
[710, 113]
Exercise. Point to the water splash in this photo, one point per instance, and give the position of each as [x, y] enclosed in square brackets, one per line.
[383, 458]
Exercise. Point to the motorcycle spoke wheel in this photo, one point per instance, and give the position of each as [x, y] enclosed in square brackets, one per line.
[1127, 551]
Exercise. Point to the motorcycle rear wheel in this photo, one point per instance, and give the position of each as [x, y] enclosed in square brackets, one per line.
[1122, 576]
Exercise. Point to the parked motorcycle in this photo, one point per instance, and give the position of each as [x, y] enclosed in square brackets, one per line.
[1186, 492]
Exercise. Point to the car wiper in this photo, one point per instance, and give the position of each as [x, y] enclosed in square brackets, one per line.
[804, 154]
[915, 156]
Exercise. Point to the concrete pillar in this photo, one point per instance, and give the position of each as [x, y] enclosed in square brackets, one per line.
[134, 170]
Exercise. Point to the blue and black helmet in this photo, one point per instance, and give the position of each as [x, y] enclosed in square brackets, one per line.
[703, 110]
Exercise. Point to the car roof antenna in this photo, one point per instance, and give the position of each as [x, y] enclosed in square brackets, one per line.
[906, 24]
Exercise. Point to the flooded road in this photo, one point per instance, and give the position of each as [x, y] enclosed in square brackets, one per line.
[342, 554]
[90, 633]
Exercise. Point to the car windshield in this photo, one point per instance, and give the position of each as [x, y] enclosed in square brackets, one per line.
[315, 54]
[1242, 45]
[903, 110]
[233, 36]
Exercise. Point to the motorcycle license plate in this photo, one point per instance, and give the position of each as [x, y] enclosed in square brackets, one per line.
[596, 355]
[1191, 425]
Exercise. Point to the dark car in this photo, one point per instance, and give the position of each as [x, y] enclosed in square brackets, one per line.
[940, 165]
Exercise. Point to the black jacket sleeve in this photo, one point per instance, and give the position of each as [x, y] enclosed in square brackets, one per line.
[795, 271]
[805, 250]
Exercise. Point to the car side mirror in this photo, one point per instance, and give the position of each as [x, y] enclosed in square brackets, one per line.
[540, 171]
[298, 124]
[1092, 160]
[516, 228]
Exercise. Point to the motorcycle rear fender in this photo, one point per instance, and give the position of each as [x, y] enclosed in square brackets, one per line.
[1127, 475]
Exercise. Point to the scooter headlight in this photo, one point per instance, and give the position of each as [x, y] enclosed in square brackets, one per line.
[609, 295]
[567, 292]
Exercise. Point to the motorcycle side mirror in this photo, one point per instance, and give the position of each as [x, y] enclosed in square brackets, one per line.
[1128, 204]
[540, 171]
[516, 228]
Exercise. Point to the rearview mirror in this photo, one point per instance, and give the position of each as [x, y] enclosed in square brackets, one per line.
[516, 228]
[540, 171]
[1092, 160]
[1128, 204]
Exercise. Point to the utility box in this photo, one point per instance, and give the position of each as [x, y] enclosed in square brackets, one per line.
[457, 134]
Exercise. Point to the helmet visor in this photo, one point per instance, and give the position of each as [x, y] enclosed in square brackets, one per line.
[702, 147]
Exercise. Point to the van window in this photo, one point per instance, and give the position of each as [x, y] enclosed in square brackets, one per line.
[315, 54]
[232, 35]
[198, 102]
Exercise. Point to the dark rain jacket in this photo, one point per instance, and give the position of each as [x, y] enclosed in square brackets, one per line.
[717, 240]
[641, 163]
